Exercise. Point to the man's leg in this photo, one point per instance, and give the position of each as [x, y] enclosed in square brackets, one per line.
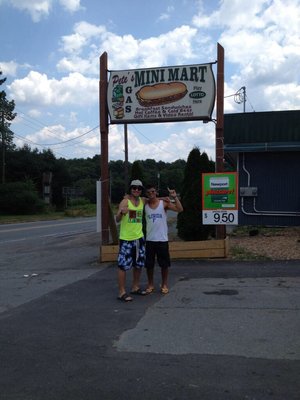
[121, 281]
[136, 278]
[123, 265]
[138, 264]
[164, 278]
[163, 258]
[150, 261]
[150, 274]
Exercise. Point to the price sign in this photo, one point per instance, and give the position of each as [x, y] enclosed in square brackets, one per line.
[220, 217]
[219, 198]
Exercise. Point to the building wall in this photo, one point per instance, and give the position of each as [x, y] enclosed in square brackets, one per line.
[270, 186]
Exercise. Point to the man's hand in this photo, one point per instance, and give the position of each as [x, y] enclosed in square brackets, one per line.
[172, 193]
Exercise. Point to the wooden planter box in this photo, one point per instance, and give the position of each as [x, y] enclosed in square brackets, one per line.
[179, 250]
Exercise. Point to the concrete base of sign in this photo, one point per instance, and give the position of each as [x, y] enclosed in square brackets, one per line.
[179, 250]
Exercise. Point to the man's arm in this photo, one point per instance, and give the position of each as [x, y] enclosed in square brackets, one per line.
[176, 206]
[123, 209]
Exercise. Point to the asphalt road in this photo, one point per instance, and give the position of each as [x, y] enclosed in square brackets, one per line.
[226, 330]
[46, 229]
[38, 257]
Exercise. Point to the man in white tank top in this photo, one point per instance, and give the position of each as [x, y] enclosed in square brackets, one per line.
[157, 245]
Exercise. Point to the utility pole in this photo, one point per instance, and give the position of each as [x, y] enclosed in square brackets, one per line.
[219, 167]
[244, 98]
[126, 157]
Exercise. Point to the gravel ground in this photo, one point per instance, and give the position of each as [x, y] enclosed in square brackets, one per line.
[274, 244]
[268, 243]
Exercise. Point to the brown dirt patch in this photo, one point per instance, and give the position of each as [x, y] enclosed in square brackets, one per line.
[271, 243]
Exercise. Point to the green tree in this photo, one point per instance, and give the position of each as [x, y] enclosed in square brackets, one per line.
[6, 115]
[20, 198]
[136, 171]
[189, 221]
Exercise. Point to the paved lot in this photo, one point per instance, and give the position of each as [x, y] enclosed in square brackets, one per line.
[226, 330]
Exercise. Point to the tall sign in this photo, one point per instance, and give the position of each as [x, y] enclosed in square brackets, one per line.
[163, 94]
[184, 93]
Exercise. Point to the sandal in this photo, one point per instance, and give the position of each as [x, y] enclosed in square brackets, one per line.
[125, 298]
[139, 291]
[164, 290]
[150, 290]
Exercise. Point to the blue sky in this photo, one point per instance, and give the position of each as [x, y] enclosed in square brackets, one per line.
[50, 55]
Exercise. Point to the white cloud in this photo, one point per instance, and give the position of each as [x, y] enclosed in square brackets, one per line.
[8, 68]
[83, 33]
[166, 15]
[37, 89]
[283, 97]
[34, 113]
[88, 42]
[70, 5]
[261, 38]
[39, 9]
[178, 145]
[36, 8]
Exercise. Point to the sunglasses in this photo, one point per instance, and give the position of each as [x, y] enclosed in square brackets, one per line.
[151, 191]
[136, 188]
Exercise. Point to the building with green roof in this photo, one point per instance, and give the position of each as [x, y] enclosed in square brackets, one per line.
[264, 148]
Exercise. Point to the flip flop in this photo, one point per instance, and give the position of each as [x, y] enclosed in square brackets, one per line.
[125, 298]
[150, 290]
[139, 291]
[164, 290]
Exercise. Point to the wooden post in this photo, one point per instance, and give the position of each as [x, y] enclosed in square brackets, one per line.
[126, 158]
[103, 113]
[220, 229]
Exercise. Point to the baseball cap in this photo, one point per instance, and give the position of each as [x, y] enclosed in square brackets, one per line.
[136, 182]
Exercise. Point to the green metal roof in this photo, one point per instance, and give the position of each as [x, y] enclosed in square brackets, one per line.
[262, 131]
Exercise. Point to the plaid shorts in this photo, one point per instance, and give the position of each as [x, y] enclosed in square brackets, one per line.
[131, 254]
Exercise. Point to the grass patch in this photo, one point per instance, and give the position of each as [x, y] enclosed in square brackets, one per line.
[86, 210]
[15, 219]
[242, 231]
[240, 254]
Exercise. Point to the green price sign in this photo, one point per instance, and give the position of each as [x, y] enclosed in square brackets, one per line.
[219, 191]
[219, 199]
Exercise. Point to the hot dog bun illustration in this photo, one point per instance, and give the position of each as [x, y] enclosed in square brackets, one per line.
[161, 93]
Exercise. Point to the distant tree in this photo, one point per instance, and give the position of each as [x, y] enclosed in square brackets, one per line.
[189, 221]
[150, 171]
[6, 116]
[117, 180]
[20, 198]
[136, 171]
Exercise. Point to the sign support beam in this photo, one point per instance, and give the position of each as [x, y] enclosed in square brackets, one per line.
[103, 113]
[220, 229]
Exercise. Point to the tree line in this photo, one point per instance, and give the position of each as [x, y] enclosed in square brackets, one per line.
[26, 164]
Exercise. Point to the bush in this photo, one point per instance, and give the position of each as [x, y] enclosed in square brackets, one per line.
[80, 201]
[84, 210]
[20, 198]
[189, 221]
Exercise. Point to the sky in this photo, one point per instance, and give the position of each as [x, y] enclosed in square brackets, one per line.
[50, 53]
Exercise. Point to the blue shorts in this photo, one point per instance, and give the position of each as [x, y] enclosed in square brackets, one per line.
[131, 254]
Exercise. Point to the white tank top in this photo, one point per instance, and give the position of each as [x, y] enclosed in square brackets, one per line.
[156, 223]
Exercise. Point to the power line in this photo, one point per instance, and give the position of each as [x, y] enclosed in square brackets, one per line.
[28, 141]
[37, 122]
[149, 140]
[69, 140]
